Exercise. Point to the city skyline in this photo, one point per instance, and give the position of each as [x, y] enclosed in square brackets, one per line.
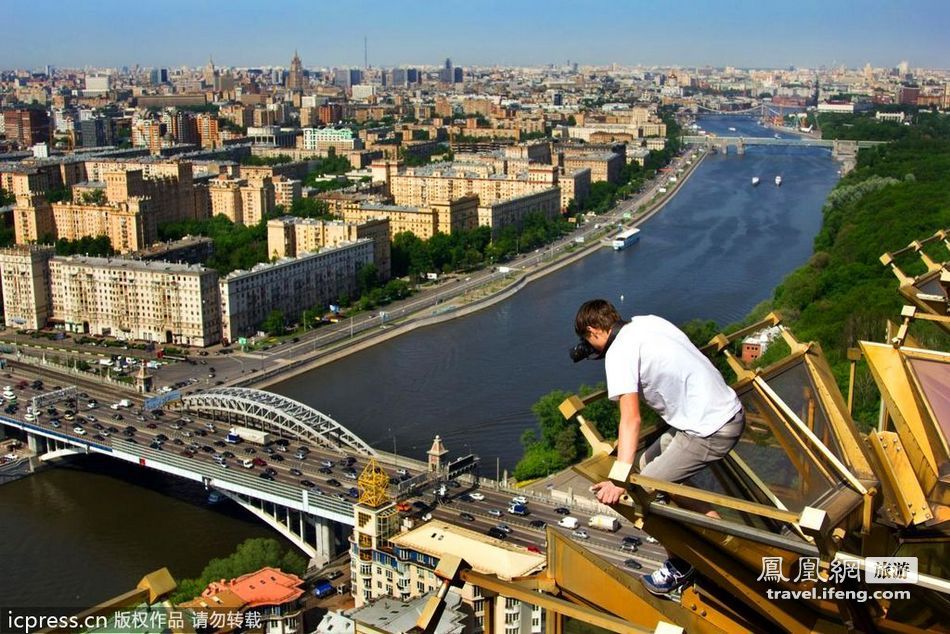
[700, 33]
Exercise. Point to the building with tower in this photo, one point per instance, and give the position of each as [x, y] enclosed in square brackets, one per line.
[295, 80]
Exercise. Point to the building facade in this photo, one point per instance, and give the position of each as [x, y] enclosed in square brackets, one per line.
[132, 299]
[290, 237]
[24, 277]
[291, 286]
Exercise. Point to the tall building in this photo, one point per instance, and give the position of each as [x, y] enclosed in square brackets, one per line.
[290, 236]
[132, 299]
[97, 84]
[446, 74]
[27, 126]
[295, 76]
[243, 202]
[24, 275]
[209, 73]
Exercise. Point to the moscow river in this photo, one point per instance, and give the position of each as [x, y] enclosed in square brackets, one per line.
[76, 535]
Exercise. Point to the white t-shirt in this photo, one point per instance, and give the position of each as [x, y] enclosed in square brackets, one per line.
[654, 358]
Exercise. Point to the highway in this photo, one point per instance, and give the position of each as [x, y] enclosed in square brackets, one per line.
[321, 470]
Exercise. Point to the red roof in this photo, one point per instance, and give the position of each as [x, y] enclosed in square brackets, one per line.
[267, 586]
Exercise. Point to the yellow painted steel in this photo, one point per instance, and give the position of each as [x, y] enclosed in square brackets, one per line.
[908, 499]
[373, 485]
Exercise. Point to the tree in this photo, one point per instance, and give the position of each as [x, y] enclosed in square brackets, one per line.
[367, 278]
[274, 323]
[6, 198]
[94, 197]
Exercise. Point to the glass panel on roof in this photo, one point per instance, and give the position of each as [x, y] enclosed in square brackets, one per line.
[776, 457]
[796, 387]
[931, 286]
[934, 378]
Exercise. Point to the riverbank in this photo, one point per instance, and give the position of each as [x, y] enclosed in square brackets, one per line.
[476, 299]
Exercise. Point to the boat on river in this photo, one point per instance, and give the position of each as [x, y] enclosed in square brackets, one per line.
[778, 181]
[755, 181]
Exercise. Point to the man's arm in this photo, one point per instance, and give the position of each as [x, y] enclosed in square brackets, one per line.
[628, 437]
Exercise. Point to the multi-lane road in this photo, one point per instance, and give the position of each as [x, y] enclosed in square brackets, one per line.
[319, 469]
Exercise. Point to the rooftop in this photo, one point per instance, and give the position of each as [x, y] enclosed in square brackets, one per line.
[486, 554]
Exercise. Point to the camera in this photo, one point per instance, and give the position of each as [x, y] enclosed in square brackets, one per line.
[582, 350]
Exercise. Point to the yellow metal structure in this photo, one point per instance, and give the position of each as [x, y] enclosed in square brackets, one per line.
[803, 489]
[373, 485]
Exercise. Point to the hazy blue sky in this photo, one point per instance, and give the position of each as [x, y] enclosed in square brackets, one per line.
[481, 32]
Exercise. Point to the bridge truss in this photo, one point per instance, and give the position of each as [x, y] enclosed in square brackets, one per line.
[280, 412]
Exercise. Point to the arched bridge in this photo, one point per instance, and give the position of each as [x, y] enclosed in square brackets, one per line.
[274, 411]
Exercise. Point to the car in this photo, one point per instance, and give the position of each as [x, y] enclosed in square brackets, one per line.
[495, 532]
[227, 454]
[296, 472]
[562, 511]
[161, 437]
[533, 549]
[503, 527]
[580, 533]
[633, 564]
[353, 492]
[494, 512]
[333, 482]
[468, 517]
[537, 524]
[270, 470]
[325, 470]
[152, 426]
[519, 499]
[207, 448]
[265, 476]
[55, 424]
[277, 457]
[475, 495]
[307, 483]
[629, 548]
[99, 437]
[179, 442]
[650, 539]
[326, 463]
[219, 443]
[259, 462]
[631, 539]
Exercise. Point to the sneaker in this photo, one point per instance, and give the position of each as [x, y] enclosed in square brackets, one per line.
[666, 579]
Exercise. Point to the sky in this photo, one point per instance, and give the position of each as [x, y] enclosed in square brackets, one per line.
[242, 33]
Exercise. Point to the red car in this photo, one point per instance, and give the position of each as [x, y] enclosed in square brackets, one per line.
[534, 549]
[259, 462]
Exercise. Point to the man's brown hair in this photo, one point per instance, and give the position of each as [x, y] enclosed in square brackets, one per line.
[596, 313]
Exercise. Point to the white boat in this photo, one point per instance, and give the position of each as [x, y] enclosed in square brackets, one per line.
[755, 181]
[778, 181]
[625, 238]
[732, 129]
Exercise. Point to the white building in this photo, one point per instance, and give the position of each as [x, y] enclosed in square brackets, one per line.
[97, 84]
[314, 137]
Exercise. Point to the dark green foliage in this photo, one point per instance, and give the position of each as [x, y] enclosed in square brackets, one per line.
[330, 164]
[59, 194]
[235, 246]
[6, 198]
[274, 323]
[308, 208]
[250, 556]
[94, 197]
[99, 246]
[420, 135]
[923, 125]
[468, 249]
[266, 160]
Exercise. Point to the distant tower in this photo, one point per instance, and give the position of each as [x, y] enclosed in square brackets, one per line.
[436, 452]
[365, 54]
[209, 72]
[295, 77]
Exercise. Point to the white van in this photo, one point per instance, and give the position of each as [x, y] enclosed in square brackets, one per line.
[568, 522]
[247, 463]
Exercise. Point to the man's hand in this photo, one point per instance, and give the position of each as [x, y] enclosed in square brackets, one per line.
[607, 492]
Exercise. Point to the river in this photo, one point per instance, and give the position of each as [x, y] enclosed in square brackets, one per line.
[76, 535]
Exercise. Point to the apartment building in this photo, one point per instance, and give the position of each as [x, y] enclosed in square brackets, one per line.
[130, 225]
[132, 299]
[290, 237]
[424, 221]
[242, 201]
[317, 139]
[286, 191]
[290, 285]
[169, 185]
[513, 211]
[387, 562]
[603, 166]
[24, 277]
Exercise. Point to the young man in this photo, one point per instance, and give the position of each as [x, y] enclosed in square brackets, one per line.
[651, 358]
